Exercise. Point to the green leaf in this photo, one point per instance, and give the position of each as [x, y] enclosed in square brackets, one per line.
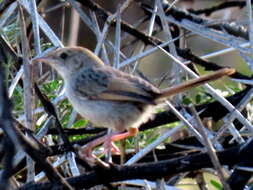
[80, 123]
[216, 184]
[187, 101]
[54, 84]
[198, 98]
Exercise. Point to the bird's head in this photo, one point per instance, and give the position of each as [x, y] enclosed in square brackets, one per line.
[69, 60]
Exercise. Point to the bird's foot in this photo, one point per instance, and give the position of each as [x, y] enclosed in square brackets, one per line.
[110, 146]
[109, 141]
[85, 153]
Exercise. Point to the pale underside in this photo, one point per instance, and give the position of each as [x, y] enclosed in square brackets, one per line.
[115, 115]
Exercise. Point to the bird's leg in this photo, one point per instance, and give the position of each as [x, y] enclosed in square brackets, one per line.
[85, 152]
[109, 142]
[130, 133]
[109, 145]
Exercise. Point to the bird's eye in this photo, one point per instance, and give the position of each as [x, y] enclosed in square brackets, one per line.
[63, 55]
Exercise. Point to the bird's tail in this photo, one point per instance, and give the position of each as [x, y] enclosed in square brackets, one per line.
[195, 82]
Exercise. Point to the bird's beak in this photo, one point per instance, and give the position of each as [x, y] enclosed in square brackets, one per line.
[52, 60]
[47, 59]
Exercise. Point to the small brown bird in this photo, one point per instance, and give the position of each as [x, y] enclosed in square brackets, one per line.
[108, 97]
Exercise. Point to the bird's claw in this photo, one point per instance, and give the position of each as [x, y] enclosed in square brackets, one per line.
[110, 146]
[86, 154]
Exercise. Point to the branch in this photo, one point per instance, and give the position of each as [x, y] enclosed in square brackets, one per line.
[4, 4]
[223, 5]
[49, 108]
[6, 125]
[240, 176]
[150, 171]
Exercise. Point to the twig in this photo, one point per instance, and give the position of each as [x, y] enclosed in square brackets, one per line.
[240, 177]
[44, 26]
[74, 28]
[6, 125]
[4, 4]
[210, 150]
[250, 29]
[221, 99]
[28, 90]
[82, 15]
[148, 185]
[180, 15]
[107, 24]
[117, 40]
[175, 68]
[221, 6]
[152, 146]
[49, 108]
[92, 24]
[35, 154]
[41, 133]
[40, 176]
[211, 34]
[220, 52]
[36, 32]
[150, 31]
[72, 164]
[55, 7]
[229, 118]
[7, 13]
[104, 55]
[9, 150]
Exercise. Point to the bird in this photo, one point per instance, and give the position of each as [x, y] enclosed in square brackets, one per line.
[111, 98]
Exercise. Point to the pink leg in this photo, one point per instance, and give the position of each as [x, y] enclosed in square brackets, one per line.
[116, 137]
[130, 133]
[86, 151]
[109, 145]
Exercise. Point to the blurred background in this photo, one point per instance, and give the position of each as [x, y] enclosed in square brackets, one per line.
[66, 23]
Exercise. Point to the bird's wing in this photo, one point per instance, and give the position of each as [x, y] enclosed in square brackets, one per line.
[113, 85]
